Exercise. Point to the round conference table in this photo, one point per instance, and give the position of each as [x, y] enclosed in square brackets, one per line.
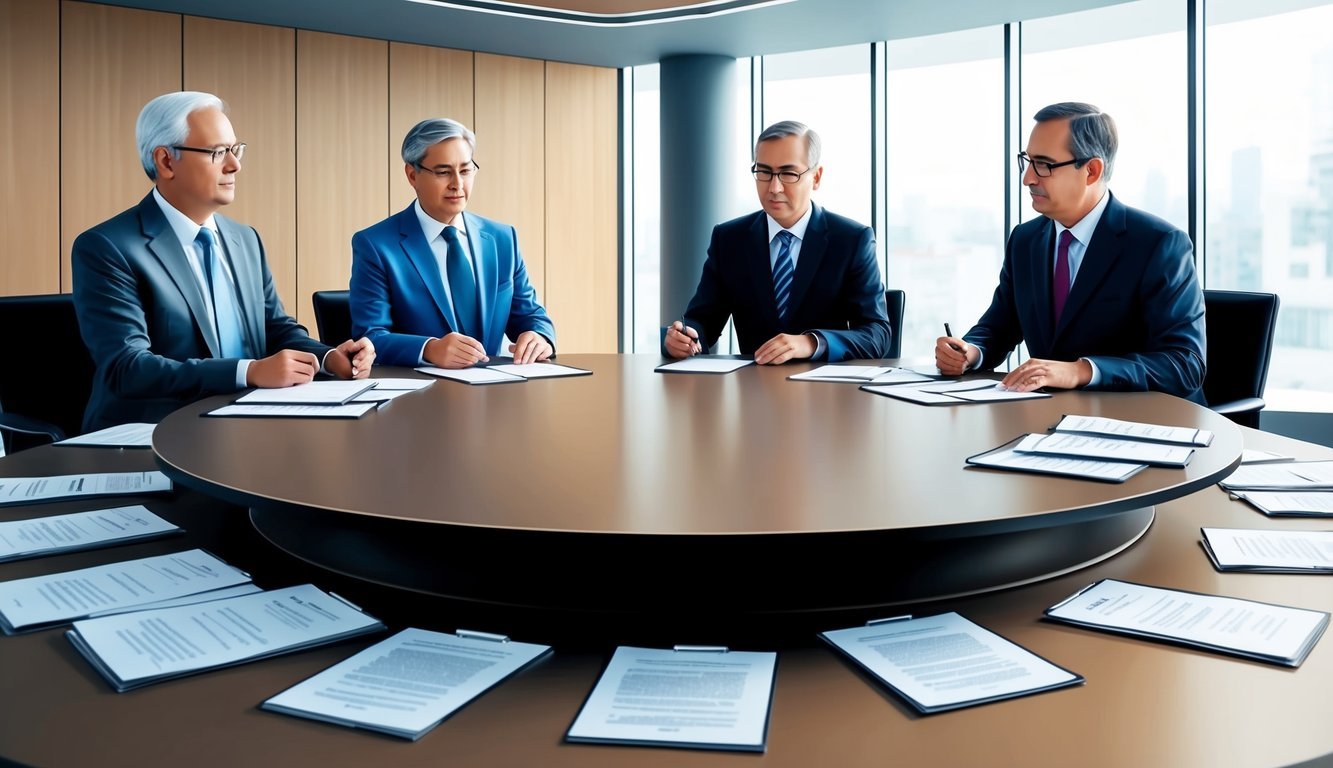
[565, 458]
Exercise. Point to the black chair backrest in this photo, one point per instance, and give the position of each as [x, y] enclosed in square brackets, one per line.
[51, 378]
[333, 316]
[1240, 343]
[896, 300]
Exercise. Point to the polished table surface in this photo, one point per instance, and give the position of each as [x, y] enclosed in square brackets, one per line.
[1144, 703]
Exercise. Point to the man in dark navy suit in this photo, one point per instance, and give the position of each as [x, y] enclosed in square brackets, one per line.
[798, 281]
[1105, 296]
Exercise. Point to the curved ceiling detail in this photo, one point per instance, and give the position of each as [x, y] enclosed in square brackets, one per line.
[606, 13]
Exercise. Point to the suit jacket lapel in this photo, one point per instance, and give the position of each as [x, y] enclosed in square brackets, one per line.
[1101, 254]
[812, 252]
[419, 253]
[761, 268]
[249, 284]
[486, 263]
[162, 243]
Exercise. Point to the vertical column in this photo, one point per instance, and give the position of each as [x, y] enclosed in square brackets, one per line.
[698, 123]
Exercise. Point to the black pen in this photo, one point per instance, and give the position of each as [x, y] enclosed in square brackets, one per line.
[949, 334]
[681, 331]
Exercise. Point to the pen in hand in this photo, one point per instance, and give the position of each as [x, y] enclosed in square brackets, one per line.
[948, 334]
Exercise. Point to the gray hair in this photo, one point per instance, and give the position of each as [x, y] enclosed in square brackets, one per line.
[428, 133]
[1092, 132]
[792, 128]
[163, 122]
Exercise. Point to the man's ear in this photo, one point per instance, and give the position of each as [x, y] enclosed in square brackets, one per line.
[1095, 168]
[164, 162]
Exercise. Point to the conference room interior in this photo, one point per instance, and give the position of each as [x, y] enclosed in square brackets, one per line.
[613, 136]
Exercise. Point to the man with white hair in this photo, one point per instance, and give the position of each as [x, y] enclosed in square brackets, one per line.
[433, 285]
[175, 302]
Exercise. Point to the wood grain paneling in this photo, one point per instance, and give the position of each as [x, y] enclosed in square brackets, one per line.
[424, 82]
[29, 146]
[582, 199]
[510, 112]
[342, 115]
[112, 62]
[252, 68]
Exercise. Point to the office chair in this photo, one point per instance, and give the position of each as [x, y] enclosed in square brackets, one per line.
[333, 316]
[1240, 345]
[43, 395]
[896, 301]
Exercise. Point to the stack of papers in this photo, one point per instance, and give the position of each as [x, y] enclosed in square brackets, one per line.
[30, 490]
[1134, 430]
[119, 436]
[53, 535]
[317, 399]
[1290, 504]
[505, 373]
[692, 696]
[137, 649]
[704, 364]
[862, 374]
[1009, 457]
[947, 662]
[953, 393]
[406, 685]
[388, 389]
[39, 602]
[1275, 634]
[1238, 549]
[1288, 476]
[1082, 446]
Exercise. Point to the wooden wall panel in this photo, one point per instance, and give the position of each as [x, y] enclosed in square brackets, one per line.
[511, 186]
[342, 114]
[424, 82]
[252, 68]
[29, 146]
[112, 62]
[582, 200]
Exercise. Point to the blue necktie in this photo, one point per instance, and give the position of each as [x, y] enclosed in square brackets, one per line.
[783, 272]
[226, 313]
[462, 286]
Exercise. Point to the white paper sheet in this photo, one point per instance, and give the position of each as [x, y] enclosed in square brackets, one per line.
[1134, 430]
[397, 384]
[119, 436]
[1245, 549]
[703, 364]
[407, 684]
[539, 370]
[946, 662]
[79, 530]
[1256, 456]
[1293, 503]
[1287, 476]
[312, 393]
[1106, 448]
[1089, 469]
[849, 373]
[348, 411]
[472, 375]
[30, 490]
[685, 698]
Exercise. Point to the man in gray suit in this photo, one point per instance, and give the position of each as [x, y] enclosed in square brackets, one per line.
[176, 303]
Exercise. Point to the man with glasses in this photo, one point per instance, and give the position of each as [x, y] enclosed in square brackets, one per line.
[799, 282]
[432, 285]
[176, 302]
[1105, 296]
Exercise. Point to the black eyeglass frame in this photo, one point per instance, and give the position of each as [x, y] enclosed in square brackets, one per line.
[216, 154]
[1024, 161]
[786, 177]
[470, 168]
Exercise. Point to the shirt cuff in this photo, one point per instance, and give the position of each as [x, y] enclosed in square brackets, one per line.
[242, 371]
[821, 347]
[324, 369]
[1096, 374]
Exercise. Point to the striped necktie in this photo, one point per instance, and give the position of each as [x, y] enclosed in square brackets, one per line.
[783, 272]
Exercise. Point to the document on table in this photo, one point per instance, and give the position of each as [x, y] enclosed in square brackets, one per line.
[1261, 631]
[1010, 457]
[953, 393]
[539, 370]
[39, 602]
[1264, 551]
[1290, 503]
[137, 649]
[119, 436]
[702, 698]
[378, 395]
[406, 685]
[30, 490]
[945, 662]
[401, 384]
[472, 375]
[1106, 449]
[1134, 430]
[1256, 456]
[348, 411]
[704, 364]
[312, 393]
[76, 531]
[1287, 476]
[862, 374]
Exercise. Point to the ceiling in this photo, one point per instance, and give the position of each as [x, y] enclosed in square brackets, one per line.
[619, 33]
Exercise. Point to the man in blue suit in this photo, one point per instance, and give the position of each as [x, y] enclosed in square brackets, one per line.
[799, 282]
[436, 286]
[1105, 296]
[176, 302]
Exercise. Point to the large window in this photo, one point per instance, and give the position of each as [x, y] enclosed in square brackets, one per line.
[1269, 136]
[646, 261]
[945, 179]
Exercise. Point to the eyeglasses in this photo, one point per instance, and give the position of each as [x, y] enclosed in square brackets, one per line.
[786, 177]
[1043, 168]
[216, 155]
[447, 174]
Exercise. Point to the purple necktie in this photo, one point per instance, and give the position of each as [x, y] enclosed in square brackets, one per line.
[1060, 288]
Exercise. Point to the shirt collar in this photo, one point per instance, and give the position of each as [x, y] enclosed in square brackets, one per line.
[181, 225]
[432, 227]
[1084, 227]
[797, 229]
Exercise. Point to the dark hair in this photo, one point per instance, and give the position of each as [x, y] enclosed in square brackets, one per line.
[1092, 132]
